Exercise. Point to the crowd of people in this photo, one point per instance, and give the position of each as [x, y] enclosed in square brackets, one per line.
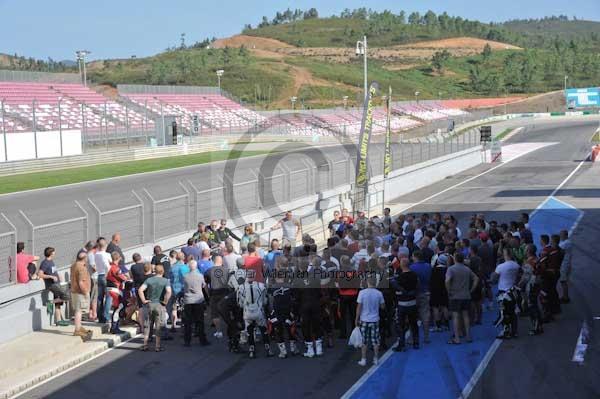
[395, 278]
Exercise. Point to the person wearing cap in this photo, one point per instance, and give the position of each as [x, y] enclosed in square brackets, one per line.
[439, 294]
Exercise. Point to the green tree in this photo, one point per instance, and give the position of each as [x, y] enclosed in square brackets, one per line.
[439, 59]
[487, 52]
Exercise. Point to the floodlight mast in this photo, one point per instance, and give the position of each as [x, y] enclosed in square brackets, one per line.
[81, 61]
[220, 73]
[361, 49]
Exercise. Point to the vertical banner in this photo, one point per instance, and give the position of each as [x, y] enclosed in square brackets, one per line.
[362, 167]
[387, 156]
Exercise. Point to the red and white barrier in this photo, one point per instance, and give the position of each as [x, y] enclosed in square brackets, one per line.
[595, 153]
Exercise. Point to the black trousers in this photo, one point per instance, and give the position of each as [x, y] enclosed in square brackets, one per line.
[348, 313]
[280, 327]
[193, 315]
[311, 321]
[406, 317]
[232, 315]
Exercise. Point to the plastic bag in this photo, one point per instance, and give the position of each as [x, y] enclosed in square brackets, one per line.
[356, 339]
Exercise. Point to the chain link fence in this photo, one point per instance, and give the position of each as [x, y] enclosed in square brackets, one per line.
[152, 216]
[169, 216]
[65, 236]
[128, 220]
[8, 251]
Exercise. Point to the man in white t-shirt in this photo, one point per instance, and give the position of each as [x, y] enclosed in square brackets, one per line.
[507, 272]
[369, 302]
[102, 259]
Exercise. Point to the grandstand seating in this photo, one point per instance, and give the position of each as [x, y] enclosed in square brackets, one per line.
[429, 111]
[22, 98]
[214, 111]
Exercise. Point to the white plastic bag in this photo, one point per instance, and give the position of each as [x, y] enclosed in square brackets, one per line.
[356, 339]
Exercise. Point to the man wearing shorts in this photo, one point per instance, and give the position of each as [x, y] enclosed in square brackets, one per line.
[370, 301]
[81, 285]
[566, 265]
[49, 274]
[154, 294]
[460, 280]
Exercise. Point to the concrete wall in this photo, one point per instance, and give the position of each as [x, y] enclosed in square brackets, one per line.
[22, 146]
[21, 306]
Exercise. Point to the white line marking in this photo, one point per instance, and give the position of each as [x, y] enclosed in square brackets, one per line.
[568, 177]
[581, 346]
[158, 172]
[73, 368]
[496, 344]
[509, 135]
[480, 369]
[366, 375]
[469, 179]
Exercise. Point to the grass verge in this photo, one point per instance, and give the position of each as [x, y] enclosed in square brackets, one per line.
[30, 181]
[503, 134]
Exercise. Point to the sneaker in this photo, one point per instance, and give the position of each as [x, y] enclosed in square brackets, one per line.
[63, 323]
[375, 361]
[362, 362]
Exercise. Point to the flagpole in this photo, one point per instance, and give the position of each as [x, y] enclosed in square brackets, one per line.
[387, 154]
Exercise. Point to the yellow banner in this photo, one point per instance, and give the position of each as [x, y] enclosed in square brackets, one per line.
[362, 168]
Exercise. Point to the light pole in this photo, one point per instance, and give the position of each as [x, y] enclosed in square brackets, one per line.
[4, 129]
[417, 96]
[566, 78]
[220, 73]
[81, 60]
[361, 49]
[345, 98]
[293, 100]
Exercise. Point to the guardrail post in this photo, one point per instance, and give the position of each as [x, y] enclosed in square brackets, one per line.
[87, 219]
[99, 224]
[143, 230]
[152, 213]
[34, 129]
[31, 239]
[188, 206]
[13, 250]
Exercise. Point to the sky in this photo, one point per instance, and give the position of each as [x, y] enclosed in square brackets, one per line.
[120, 29]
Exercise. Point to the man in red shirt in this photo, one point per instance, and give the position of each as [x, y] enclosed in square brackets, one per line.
[254, 262]
[26, 267]
[114, 279]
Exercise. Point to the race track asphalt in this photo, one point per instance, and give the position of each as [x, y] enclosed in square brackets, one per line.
[529, 367]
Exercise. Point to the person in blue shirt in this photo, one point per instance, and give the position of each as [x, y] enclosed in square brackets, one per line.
[271, 257]
[205, 262]
[191, 250]
[423, 271]
[178, 270]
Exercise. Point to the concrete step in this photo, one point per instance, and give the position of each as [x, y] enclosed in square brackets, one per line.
[40, 355]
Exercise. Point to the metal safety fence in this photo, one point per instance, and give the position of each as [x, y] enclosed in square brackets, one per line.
[8, 251]
[169, 216]
[129, 221]
[147, 217]
[65, 236]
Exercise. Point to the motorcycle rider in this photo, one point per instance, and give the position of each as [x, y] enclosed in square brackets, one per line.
[252, 298]
[282, 317]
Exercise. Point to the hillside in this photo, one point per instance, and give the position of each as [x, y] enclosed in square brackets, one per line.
[299, 54]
